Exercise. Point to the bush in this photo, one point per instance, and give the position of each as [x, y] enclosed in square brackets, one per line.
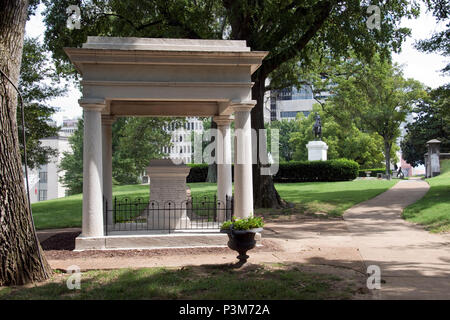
[310, 171]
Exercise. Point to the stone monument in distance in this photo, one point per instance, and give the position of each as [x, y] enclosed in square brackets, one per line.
[317, 149]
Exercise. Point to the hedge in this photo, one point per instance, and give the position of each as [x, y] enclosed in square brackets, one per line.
[297, 171]
[310, 171]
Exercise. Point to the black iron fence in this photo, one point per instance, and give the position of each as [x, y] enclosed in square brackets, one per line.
[198, 213]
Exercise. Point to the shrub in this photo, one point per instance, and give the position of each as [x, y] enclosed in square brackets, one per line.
[243, 224]
[310, 171]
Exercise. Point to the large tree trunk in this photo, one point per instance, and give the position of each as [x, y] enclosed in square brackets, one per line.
[21, 259]
[264, 193]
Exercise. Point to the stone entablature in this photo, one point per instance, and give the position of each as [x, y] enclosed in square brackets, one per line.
[204, 75]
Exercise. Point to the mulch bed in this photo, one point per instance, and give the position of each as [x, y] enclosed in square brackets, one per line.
[61, 245]
[60, 241]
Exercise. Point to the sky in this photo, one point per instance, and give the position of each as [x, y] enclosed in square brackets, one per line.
[418, 65]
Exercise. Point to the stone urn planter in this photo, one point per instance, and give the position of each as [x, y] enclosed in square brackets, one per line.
[242, 240]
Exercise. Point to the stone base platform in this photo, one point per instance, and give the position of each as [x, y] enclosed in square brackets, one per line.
[155, 240]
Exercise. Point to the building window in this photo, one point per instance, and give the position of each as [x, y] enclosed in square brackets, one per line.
[43, 177]
[42, 195]
[288, 114]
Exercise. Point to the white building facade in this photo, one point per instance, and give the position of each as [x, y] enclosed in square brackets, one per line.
[181, 140]
[44, 182]
[289, 102]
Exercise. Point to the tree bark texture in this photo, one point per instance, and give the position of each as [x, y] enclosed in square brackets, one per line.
[264, 193]
[21, 259]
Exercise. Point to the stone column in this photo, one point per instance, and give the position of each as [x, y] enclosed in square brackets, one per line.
[107, 122]
[223, 158]
[433, 157]
[92, 170]
[243, 181]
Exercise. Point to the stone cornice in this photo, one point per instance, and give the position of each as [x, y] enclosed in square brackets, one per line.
[80, 56]
[243, 105]
[166, 83]
[223, 120]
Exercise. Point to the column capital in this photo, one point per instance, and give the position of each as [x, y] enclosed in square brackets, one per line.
[92, 104]
[243, 105]
[223, 120]
[108, 120]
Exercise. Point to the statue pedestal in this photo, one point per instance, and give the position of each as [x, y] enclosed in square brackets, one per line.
[317, 150]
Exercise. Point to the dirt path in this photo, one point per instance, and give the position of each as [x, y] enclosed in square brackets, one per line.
[414, 263]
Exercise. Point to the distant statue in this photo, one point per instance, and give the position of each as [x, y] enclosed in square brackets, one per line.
[317, 128]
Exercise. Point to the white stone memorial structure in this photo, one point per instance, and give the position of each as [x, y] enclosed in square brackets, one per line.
[162, 77]
[317, 150]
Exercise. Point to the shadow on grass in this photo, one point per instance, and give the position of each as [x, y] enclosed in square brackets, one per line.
[221, 281]
[320, 278]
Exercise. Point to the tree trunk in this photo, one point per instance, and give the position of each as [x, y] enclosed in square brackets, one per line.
[264, 193]
[387, 157]
[21, 259]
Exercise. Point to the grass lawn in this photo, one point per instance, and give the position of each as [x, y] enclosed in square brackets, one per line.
[332, 198]
[193, 282]
[433, 210]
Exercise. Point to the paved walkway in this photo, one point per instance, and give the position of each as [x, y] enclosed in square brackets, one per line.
[413, 262]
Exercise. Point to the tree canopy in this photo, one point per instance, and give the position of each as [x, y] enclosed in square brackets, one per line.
[343, 141]
[375, 97]
[135, 141]
[439, 40]
[38, 84]
[431, 121]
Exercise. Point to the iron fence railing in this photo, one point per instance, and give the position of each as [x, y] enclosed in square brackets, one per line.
[198, 213]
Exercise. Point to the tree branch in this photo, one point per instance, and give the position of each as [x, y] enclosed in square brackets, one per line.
[137, 28]
[176, 22]
[323, 11]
